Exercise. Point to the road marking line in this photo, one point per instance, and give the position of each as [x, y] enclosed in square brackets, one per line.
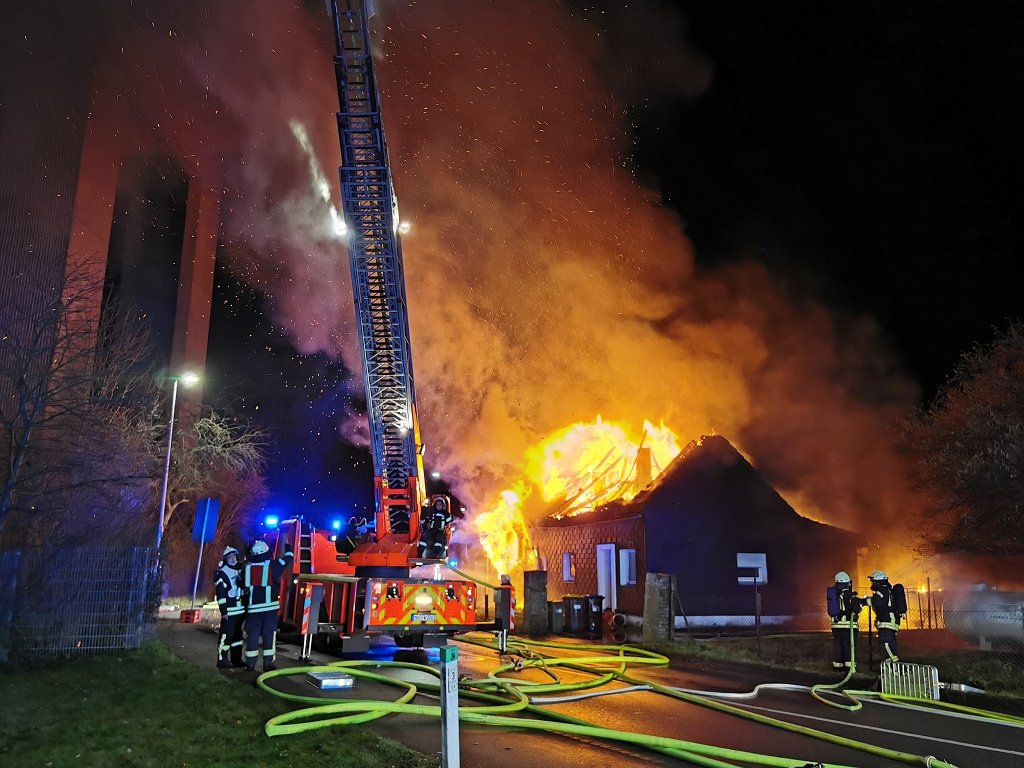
[883, 730]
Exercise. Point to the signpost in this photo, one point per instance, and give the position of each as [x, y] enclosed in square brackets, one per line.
[449, 706]
[204, 528]
[753, 569]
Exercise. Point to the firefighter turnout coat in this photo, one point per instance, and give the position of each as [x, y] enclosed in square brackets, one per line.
[228, 590]
[887, 615]
[848, 605]
[262, 580]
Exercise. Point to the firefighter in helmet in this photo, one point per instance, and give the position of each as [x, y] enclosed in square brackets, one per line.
[436, 518]
[232, 609]
[887, 614]
[261, 579]
[844, 608]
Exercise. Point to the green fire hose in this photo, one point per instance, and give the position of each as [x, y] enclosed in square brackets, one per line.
[506, 697]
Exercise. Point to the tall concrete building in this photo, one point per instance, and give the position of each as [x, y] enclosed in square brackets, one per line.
[92, 181]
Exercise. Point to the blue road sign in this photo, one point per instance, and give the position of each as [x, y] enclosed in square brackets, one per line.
[205, 525]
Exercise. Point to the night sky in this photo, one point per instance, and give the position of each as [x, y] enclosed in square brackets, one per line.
[871, 152]
[867, 155]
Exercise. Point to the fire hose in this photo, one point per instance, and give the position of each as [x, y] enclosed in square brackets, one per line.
[507, 697]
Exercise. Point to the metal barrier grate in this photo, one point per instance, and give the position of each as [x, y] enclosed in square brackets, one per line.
[78, 601]
[918, 681]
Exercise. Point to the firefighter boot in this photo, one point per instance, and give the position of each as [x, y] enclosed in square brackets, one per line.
[223, 662]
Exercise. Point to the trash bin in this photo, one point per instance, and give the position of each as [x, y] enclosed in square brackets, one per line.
[575, 619]
[594, 619]
[556, 617]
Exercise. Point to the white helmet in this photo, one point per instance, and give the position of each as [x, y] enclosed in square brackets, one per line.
[878, 576]
[842, 577]
[228, 551]
[259, 547]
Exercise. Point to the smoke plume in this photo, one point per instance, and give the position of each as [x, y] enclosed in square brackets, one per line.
[546, 283]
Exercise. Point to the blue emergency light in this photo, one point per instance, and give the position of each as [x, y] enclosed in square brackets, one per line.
[453, 563]
[336, 525]
[271, 521]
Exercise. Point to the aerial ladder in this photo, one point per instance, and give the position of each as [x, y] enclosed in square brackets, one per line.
[378, 286]
[349, 593]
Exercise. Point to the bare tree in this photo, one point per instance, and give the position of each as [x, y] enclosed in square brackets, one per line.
[218, 456]
[968, 451]
[241, 497]
[76, 406]
[84, 430]
[214, 451]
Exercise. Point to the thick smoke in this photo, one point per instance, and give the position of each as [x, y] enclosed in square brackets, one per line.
[546, 284]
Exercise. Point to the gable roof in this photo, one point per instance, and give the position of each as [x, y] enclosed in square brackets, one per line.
[713, 478]
[709, 478]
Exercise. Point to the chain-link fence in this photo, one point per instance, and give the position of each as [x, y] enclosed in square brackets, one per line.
[984, 620]
[975, 638]
[77, 601]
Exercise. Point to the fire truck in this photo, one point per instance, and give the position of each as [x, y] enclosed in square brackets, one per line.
[347, 586]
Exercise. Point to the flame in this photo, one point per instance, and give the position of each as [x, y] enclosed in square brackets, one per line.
[587, 465]
[576, 469]
[502, 530]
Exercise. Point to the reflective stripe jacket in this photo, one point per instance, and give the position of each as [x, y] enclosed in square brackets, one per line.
[228, 590]
[849, 609]
[262, 579]
[437, 519]
[881, 604]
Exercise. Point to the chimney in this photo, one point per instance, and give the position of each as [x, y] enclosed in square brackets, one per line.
[643, 469]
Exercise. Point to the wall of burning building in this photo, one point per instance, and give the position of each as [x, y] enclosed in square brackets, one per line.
[578, 538]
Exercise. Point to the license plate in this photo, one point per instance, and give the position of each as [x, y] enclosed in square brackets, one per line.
[423, 617]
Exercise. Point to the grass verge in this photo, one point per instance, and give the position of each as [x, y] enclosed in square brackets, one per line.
[147, 708]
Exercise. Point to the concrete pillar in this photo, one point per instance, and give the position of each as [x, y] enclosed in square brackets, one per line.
[659, 607]
[535, 609]
[195, 286]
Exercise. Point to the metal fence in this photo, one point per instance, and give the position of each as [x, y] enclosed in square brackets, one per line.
[977, 635]
[78, 601]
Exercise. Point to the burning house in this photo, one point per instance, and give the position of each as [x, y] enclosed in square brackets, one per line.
[710, 519]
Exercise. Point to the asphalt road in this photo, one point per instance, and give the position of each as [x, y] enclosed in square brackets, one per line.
[965, 742]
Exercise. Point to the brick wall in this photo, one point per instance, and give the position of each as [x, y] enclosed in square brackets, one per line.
[582, 541]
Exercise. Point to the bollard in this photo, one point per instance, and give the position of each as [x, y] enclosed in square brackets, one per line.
[450, 707]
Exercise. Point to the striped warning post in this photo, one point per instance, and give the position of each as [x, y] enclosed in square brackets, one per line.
[306, 595]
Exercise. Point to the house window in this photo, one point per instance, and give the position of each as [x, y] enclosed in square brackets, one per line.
[568, 566]
[627, 567]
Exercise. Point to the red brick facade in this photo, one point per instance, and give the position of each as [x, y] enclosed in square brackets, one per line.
[581, 540]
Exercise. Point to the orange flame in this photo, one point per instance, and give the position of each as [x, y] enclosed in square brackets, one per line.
[576, 469]
[502, 530]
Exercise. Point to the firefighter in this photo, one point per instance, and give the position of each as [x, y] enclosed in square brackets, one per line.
[232, 609]
[261, 580]
[885, 602]
[434, 529]
[844, 608]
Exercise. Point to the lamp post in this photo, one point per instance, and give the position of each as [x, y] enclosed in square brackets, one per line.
[188, 379]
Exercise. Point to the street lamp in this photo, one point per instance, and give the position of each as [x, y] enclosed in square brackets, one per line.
[188, 379]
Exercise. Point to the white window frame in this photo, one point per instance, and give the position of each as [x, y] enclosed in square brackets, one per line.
[569, 566]
[627, 567]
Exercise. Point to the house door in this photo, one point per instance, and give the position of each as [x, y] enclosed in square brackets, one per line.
[607, 576]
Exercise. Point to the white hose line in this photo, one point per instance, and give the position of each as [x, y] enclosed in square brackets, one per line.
[583, 696]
